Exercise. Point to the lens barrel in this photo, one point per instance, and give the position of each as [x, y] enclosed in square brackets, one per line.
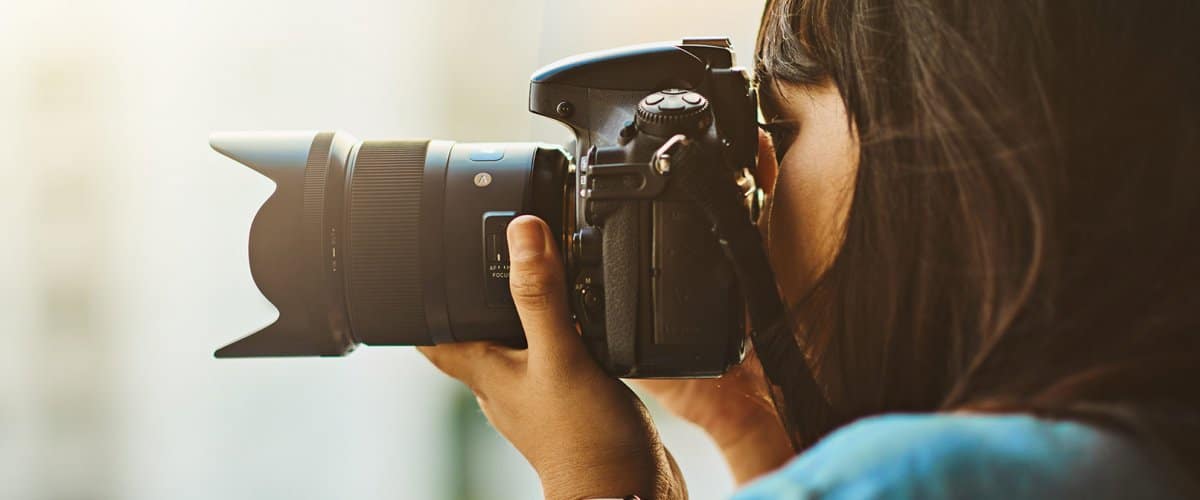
[397, 242]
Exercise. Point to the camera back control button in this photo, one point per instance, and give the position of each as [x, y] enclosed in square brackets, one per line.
[671, 106]
[655, 99]
[692, 98]
[486, 154]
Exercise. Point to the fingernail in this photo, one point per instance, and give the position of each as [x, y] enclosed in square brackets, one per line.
[525, 239]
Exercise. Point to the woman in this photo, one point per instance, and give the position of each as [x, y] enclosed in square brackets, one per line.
[984, 217]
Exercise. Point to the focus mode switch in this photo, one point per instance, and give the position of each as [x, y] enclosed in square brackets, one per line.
[495, 258]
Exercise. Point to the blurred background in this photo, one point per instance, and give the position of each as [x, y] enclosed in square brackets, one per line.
[123, 263]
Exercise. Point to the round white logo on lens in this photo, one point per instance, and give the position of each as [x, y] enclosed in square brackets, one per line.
[483, 179]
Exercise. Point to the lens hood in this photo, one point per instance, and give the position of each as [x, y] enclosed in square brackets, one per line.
[286, 240]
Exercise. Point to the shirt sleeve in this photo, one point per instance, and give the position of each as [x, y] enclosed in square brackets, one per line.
[935, 457]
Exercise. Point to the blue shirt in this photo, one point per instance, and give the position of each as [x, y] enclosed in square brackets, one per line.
[944, 456]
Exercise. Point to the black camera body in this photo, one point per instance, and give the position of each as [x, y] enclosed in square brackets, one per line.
[653, 292]
[403, 242]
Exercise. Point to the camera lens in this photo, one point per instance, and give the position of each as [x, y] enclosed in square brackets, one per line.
[387, 242]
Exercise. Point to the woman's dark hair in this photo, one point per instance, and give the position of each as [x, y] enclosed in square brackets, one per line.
[1024, 233]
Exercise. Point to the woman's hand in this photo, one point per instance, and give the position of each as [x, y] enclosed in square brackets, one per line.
[737, 413]
[585, 433]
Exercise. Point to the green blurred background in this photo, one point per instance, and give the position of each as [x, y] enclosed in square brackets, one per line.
[124, 247]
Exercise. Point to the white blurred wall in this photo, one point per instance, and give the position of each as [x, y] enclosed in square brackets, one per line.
[124, 250]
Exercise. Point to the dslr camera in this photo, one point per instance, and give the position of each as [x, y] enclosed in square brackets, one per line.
[402, 242]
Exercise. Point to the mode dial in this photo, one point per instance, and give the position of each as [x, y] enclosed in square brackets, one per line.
[673, 111]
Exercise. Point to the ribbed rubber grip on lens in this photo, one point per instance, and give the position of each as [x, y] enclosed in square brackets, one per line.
[383, 282]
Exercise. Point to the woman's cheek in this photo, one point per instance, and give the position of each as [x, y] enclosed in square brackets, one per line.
[813, 188]
[792, 240]
[808, 210]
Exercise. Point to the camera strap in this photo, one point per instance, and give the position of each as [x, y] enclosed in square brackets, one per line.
[805, 411]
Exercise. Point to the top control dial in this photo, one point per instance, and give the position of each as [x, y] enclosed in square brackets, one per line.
[673, 111]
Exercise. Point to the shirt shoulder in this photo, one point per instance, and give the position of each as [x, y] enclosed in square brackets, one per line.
[944, 456]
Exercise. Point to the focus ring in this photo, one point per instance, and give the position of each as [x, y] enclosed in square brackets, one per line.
[383, 280]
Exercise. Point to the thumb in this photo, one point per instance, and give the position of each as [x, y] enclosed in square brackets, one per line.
[538, 290]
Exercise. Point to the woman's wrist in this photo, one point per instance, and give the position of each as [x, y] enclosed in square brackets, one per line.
[650, 475]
